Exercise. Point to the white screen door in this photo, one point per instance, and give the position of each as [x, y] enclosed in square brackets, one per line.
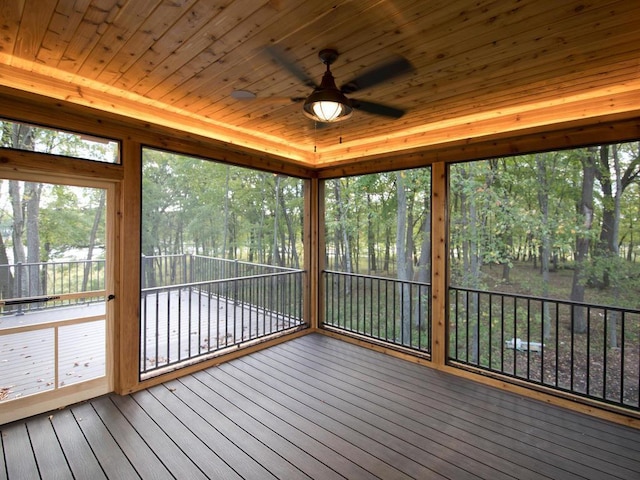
[54, 284]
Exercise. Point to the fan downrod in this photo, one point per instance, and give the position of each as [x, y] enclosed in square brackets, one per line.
[328, 56]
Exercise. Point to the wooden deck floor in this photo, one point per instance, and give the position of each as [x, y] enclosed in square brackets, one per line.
[316, 407]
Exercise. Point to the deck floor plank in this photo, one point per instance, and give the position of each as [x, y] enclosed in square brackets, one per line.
[178, 463]
[200, 453]
[237, 459]
[306, 421]
[581, 458]
[285, 449]
[278, 421]
[427, 444]
[385, 461]
[191, 394]
[47, 450]
[143, 459]
[15, 440]
[316, 407]
[352, 415]
[608, 434]
[82, 461]
[594, 442]
[112, 459]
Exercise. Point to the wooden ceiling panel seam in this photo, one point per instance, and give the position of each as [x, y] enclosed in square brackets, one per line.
[10, 18]
[33, 27]
[254, 44]
[129, 19]
[212, 78]
[97, 17]
[141, 40]
[190, 30]
[65, 20]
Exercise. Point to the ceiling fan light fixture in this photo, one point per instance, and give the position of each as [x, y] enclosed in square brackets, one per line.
[327, 106]
[326, 103]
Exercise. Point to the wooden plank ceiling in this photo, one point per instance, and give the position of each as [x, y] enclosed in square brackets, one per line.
[480, 67]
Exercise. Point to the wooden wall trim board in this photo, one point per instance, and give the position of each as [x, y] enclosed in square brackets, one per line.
[126, 179]
[233, 353]
[27, 107]
[608, 129]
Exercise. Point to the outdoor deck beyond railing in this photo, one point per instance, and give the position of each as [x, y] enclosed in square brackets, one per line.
[194, 306]
[587, 350]
[50, 279]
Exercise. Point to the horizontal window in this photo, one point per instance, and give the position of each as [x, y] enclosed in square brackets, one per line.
[22, 136]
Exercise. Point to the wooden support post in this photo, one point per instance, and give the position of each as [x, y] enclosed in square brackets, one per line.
[439, 276]
[312, 253]
[127, 327]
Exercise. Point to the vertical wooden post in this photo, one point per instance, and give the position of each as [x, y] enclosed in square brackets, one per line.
[311, 256]
[127, 325]
[320, 251]
[439, 274]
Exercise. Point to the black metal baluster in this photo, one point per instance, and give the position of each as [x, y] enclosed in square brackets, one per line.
[605, 366]
[589, 350]
[502, 344]
[515, 335]
[169, 325]
[572, 351]
[528, 339]
[557, 346]
[622, 356]
[541, 351]
[358, 328]
[395, 312]
[490, 331]
[208, 317]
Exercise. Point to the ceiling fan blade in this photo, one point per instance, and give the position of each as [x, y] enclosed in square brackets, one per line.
[392, 68]
[377, 108]
[280, 56]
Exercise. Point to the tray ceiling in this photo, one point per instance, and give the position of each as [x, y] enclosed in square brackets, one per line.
[481, 67]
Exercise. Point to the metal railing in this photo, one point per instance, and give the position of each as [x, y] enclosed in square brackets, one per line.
[49, 280]
[383, 309]
[182, 323]
[586, 350]
[167, 270]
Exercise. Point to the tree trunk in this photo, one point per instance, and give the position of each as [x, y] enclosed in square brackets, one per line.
[276, 252]
[342, 220]
[292, 233]
[545, 249]
[225, 227]
[6, 278]
[371, 238]
[585, 212]
[403, 257]
[92, 238]
[424, 261]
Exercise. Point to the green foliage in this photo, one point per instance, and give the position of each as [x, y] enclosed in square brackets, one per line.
[198, 206]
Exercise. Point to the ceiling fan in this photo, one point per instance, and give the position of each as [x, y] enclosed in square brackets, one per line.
[328, 103]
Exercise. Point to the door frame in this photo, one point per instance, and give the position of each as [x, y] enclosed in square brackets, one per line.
[16, 409]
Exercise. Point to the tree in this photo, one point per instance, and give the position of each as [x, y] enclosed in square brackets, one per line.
[585, 211]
